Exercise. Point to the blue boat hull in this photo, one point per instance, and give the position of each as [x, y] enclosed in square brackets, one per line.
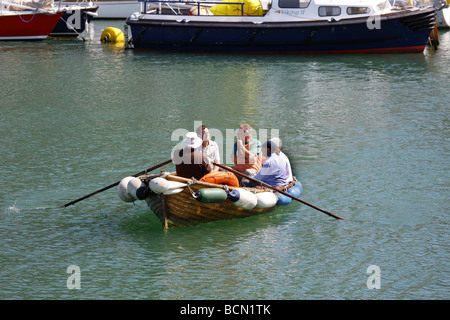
[73, 22]
[400, 32]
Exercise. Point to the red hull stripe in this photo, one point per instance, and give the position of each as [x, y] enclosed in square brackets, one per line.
[416, 49]
[379, 50]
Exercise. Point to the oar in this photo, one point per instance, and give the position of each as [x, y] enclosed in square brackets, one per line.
[114, 184]
[275, 189]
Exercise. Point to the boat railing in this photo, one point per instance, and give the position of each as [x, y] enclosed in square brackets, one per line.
[415, 3]
[179, 6]
[59, 4]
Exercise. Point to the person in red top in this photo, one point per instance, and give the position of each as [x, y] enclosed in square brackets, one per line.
[189, 162]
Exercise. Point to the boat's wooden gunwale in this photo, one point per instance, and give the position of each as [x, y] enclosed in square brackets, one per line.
[195, 185]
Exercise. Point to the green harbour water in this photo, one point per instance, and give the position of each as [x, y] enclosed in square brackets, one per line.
[367, 135]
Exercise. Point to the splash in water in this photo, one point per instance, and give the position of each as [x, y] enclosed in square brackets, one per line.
[14, 208]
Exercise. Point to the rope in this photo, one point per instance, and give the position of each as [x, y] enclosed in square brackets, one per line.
[188, 184]
[34, 13]
[79, 34]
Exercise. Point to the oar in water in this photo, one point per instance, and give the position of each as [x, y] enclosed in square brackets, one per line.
[114, 184]
[275, 189]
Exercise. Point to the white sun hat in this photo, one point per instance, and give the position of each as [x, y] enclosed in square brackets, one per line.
[192, 141]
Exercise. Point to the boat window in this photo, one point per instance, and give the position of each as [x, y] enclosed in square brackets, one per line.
[357, 10]
[327, 11]
[293, 3]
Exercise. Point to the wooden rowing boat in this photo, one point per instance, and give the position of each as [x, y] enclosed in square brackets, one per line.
[180, 207]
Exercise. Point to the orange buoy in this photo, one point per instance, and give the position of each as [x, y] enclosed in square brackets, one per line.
[219, 177]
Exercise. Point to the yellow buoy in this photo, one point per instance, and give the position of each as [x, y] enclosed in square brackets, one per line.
[111, 34]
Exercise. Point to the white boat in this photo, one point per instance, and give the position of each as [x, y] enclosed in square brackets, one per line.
[116, 9]
[111, 9]
[284, 26]
[443, 15]
[442, 9]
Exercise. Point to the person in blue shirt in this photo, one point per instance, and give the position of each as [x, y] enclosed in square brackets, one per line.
[273, 171]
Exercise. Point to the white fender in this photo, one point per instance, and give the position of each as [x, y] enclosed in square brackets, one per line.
[122, 190]
[173, 191]
[243, 198]
[135, 187]
[161, 185]
[266, 199]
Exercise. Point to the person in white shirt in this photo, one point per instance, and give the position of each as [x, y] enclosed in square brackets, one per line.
[209, 147]
[284, 158]
[273, 171]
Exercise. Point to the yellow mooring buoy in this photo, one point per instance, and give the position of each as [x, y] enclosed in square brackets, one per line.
[112, 34]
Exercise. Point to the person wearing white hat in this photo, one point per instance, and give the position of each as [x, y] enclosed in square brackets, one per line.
[192, 140]
[189, 162]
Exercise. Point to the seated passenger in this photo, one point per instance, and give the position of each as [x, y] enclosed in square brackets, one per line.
[273, 172]
[208, 147]
[247, 155]
[189, 162]
[283, 156]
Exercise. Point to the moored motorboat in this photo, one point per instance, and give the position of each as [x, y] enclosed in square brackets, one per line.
[19, 21]
[281, 26]
[178, 201]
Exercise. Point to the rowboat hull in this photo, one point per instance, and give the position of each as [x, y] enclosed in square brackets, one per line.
[183, 209]
[406, 31]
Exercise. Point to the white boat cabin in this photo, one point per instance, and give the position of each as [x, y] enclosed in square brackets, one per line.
[263, 10]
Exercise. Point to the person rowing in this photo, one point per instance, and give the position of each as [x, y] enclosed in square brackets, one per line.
[189, 162]
[274, 170]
